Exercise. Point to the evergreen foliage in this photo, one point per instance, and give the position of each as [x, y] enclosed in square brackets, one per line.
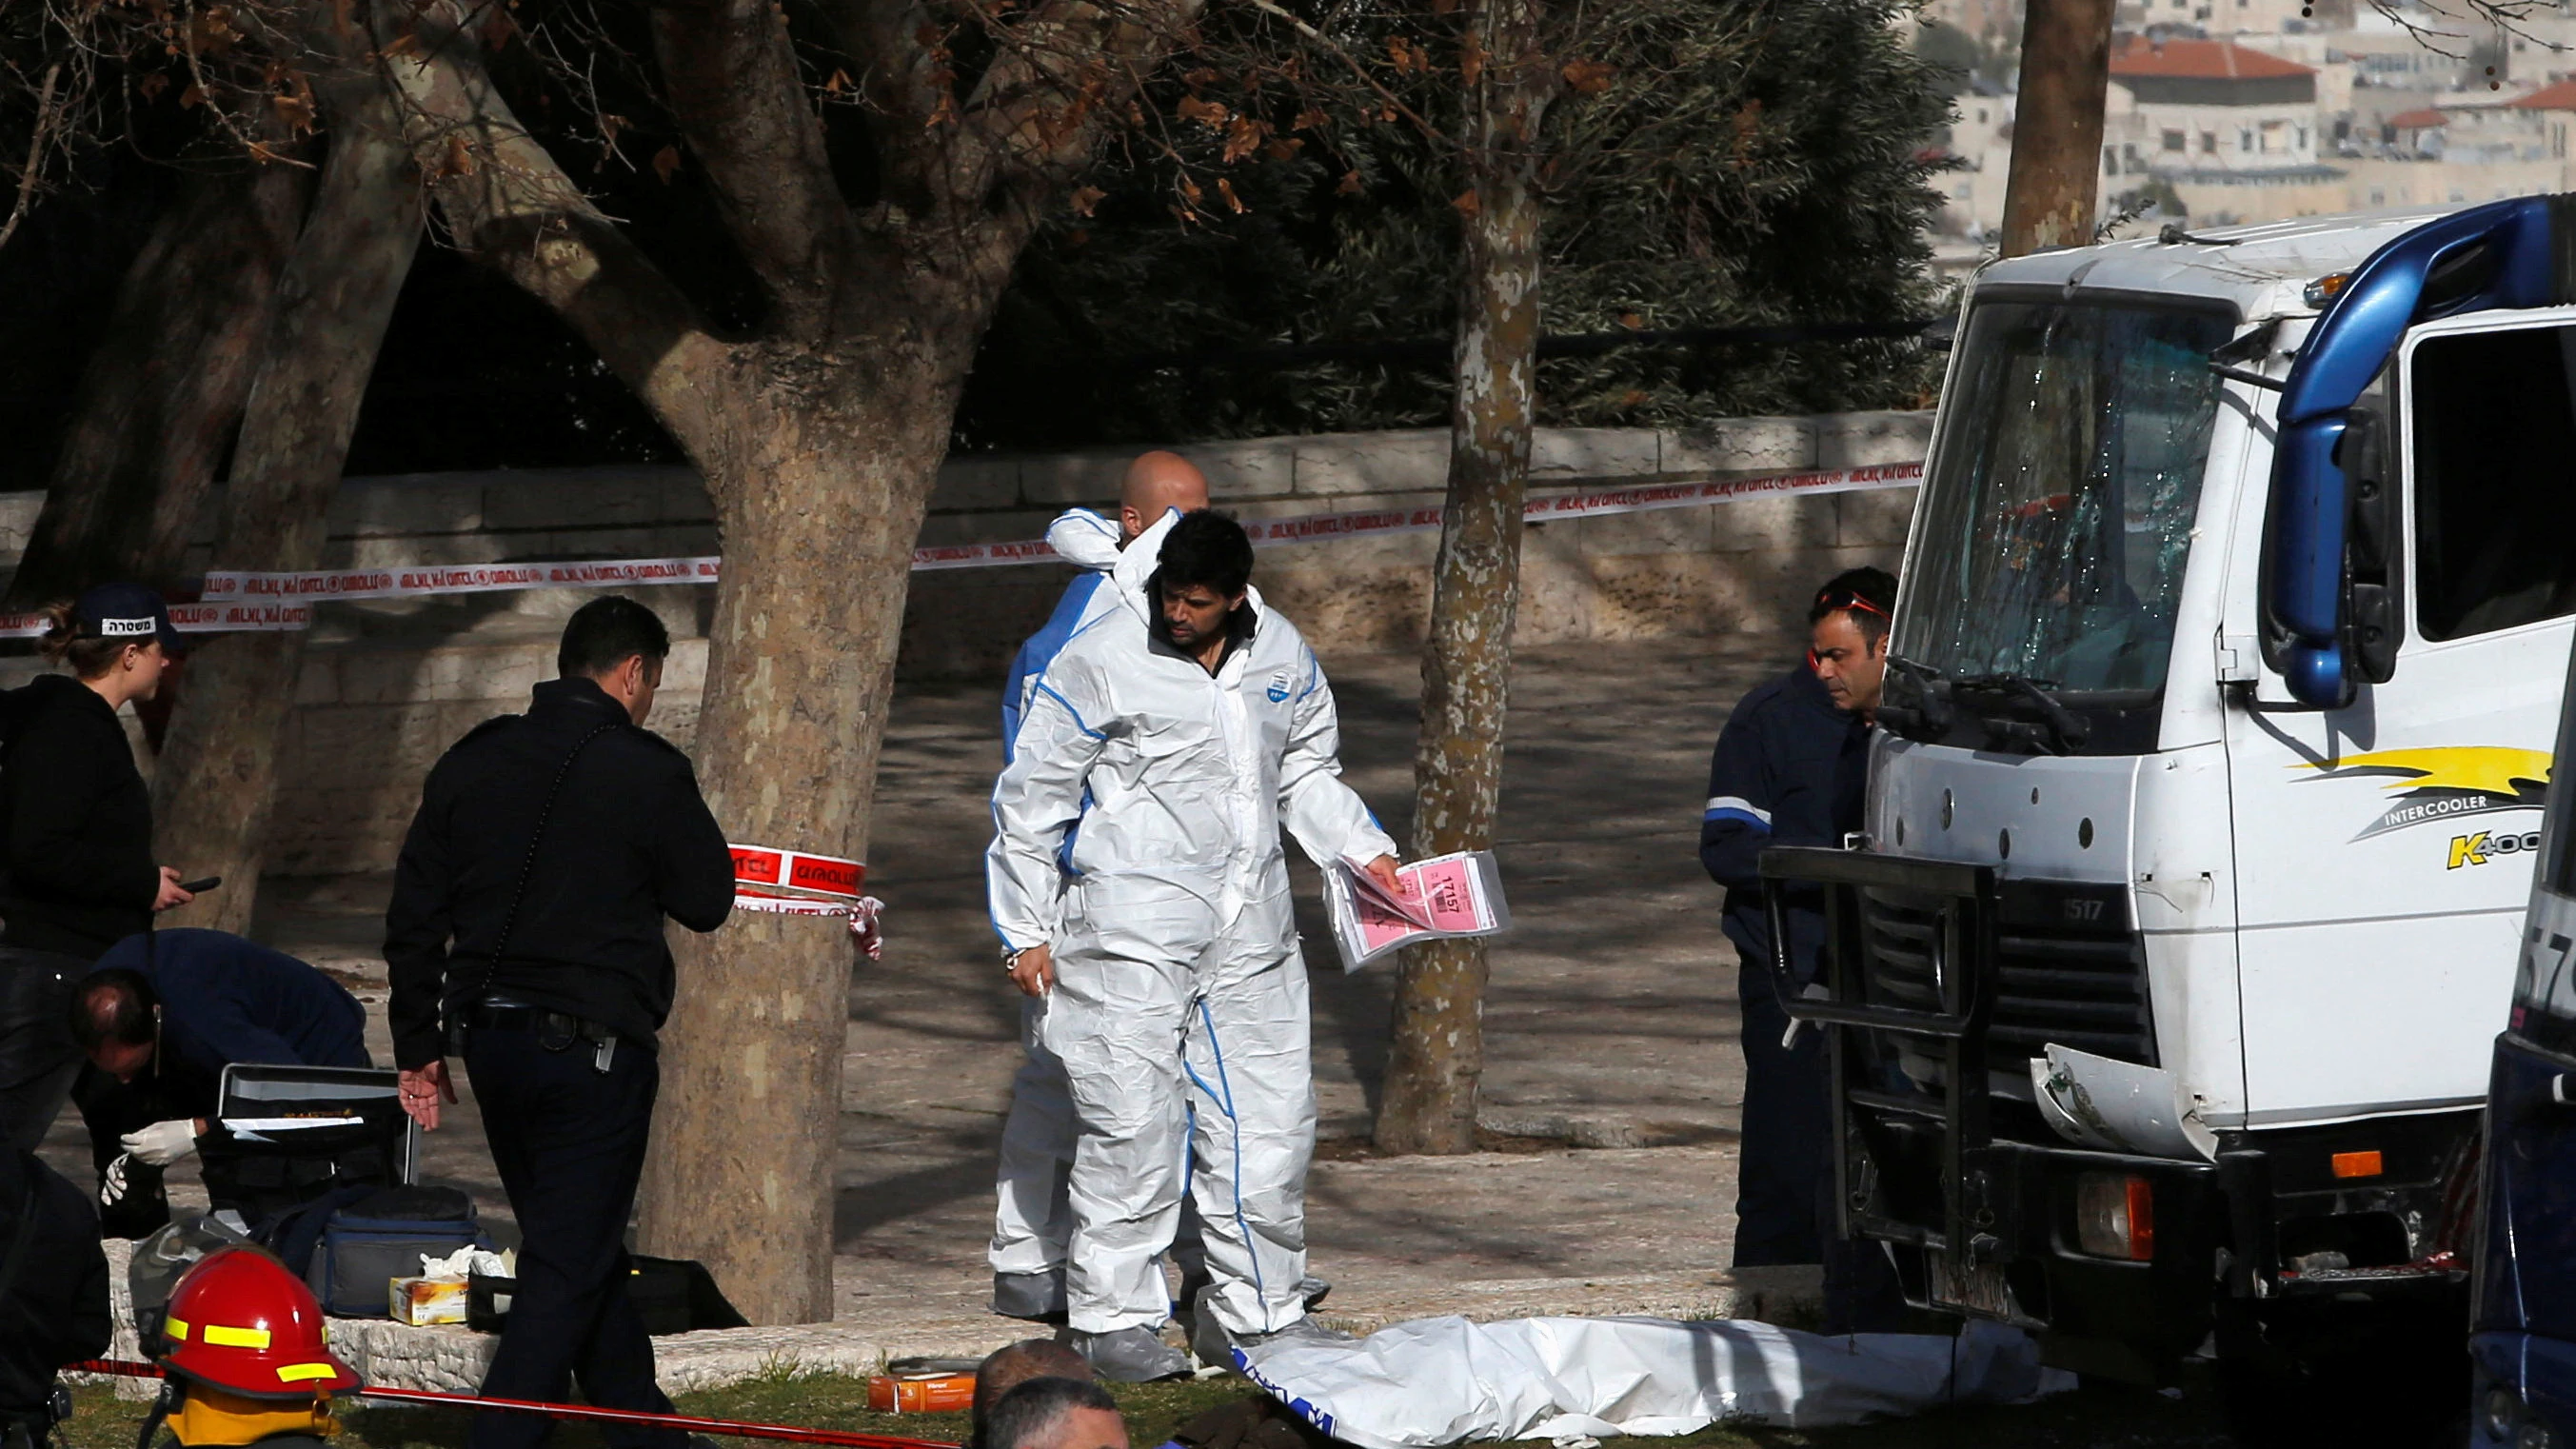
[1747, 162]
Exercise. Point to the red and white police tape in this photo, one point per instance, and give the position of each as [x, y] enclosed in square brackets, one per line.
[800, 883]
[233, 600]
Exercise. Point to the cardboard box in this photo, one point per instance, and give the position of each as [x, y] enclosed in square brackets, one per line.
[941, 1393]
[421, 1302]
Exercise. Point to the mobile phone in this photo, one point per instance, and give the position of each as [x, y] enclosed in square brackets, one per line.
[200, 887]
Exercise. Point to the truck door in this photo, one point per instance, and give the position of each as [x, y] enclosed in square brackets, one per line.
[2384, 849]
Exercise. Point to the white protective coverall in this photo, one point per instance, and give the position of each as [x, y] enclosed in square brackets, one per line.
[1180, 1007]
[1031, 1219]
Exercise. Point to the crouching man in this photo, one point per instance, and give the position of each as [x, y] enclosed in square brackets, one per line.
[159, 1018]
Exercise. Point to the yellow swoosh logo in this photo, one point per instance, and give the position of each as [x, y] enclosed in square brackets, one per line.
[2484, 769]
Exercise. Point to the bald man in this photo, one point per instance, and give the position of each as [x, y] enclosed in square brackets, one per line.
[1154, 484]
[1032, 1220]
[1007, 1368]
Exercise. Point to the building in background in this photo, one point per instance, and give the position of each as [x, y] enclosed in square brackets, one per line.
[2227, 112]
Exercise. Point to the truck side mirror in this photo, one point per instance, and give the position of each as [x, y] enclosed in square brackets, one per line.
[2371, 621]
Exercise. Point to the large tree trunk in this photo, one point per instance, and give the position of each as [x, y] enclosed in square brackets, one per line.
[160, 396]
[800, 675]
[819, 440]
[214, 788]
[1438, 1051]
[2051, 192]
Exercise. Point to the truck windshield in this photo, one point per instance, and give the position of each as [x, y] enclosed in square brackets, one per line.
[2058, 516]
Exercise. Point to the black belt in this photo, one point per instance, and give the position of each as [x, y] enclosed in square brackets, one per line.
[556, 1030]
[519, 1016]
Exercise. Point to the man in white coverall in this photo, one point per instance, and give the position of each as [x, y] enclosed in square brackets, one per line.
[1031, 1218]
[1179, 732]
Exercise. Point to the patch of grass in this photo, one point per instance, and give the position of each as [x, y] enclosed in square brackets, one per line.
[2102, 1417]
[823, 1401]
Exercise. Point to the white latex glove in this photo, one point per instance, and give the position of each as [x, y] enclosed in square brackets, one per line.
[162, 1143]
[111, 1183]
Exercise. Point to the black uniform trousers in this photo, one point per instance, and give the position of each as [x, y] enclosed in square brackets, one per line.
[569, 1142]
[1786, 1123]
[1784, 1206]
[38, 1058]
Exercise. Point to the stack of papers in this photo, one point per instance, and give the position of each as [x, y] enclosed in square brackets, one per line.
[1447, 895]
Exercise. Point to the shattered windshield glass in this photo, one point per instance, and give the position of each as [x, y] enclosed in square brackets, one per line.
[2058, 517]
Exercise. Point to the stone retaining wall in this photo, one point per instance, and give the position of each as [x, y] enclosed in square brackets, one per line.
[388, 684]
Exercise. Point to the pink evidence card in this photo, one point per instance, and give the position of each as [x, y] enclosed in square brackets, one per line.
[1379, 926]
[1449, 888]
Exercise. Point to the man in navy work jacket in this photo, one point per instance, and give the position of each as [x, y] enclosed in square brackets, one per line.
[1789, 770]
[527, 925]
[159, 1018]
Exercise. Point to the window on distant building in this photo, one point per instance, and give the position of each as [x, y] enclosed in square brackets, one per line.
[2379, 196]
[2110, 162]
[2209, 143]
[2244, 138]
[1981, 115]
[2173, 140]
[2303, 138]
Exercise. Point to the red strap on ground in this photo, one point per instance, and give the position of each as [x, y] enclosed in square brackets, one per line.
[732, 1428]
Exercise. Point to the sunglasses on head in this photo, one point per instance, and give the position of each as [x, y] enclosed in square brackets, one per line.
[1837, 600]
[1834, 602]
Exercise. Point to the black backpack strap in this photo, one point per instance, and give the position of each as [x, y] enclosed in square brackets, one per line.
[528, 867]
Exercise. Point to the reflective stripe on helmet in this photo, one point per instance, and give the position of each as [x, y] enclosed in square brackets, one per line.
[297, 1373]
[224, 1336]
[176, 1328]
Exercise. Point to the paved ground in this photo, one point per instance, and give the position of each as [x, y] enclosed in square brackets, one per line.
[1610, 1024]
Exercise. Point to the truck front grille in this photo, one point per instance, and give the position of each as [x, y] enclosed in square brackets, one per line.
[2074, 985]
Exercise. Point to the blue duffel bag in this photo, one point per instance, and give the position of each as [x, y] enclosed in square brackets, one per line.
[364, 1245]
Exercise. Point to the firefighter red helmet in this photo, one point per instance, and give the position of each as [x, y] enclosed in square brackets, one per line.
[239, 1321]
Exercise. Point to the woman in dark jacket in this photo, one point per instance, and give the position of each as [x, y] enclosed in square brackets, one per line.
[76, 868]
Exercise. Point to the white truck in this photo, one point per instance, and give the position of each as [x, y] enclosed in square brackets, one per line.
[2222, 689]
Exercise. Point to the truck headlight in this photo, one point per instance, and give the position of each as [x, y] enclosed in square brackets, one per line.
[2115, 1216]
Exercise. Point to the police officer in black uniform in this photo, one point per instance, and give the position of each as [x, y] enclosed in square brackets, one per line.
[1789, 770]
[53, 1294]
[526, 928]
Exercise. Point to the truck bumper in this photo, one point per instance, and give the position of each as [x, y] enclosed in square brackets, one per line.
[1938, 983]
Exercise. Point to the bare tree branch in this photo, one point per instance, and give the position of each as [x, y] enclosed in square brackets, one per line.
[731, 81]
[34, 169]
[1358, 68]
[506, 202]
